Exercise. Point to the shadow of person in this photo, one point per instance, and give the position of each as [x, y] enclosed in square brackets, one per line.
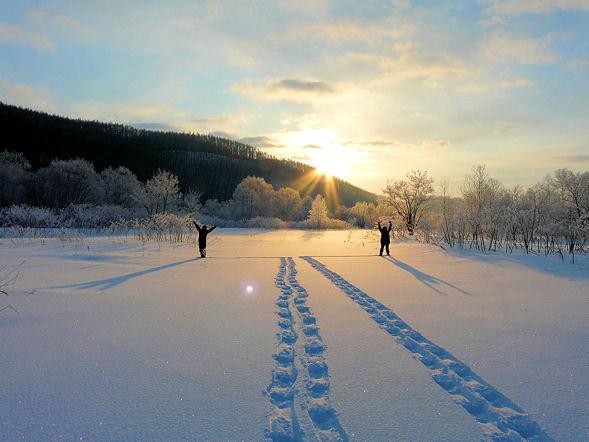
[104, 284]
[429, 280]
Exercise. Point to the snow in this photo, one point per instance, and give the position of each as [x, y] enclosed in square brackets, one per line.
[115, 339]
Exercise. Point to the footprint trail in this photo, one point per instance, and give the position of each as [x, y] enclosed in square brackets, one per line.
[299, 390]
[501, 419]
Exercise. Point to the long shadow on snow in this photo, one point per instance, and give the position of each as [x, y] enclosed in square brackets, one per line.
[552, 264]
[429, 280]
[104, 284]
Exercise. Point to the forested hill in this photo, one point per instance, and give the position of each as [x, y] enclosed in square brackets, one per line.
[210, 164]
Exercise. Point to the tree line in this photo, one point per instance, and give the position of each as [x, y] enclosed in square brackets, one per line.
[60, 193]
[212, 164]
[551, 216]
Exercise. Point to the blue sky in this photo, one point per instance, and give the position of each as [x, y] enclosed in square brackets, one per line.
[368, 89]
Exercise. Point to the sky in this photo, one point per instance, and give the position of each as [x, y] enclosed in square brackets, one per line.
[367, 90]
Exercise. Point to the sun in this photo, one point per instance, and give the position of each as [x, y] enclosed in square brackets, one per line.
[329, 161]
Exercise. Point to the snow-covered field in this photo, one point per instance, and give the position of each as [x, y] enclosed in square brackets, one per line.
[291, 333]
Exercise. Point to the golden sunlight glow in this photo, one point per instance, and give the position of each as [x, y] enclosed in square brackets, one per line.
[330, 161]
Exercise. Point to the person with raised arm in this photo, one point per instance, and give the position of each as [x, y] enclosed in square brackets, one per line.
[385, 237]
[203, 231]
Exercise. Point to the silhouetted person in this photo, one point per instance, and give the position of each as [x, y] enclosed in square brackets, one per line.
[202, 238]
[385, 237]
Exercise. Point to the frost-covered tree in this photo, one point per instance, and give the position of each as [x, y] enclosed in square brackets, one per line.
[481, 194]
[252, 197]
[318, 214]
[216, 208]
[160, 193]
[191, 201]
[286, 204]
[66, 182]
[410, 197]
[14, 175]
[119, 184]
[574, 190]
[362, 214]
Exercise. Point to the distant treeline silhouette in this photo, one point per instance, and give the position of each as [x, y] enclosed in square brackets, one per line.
[208, 163]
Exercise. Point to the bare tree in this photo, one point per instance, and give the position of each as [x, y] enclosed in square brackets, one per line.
[480, 193]
[410, 197]
[448, 211]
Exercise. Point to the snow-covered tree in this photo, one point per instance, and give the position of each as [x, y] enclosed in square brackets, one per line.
[362, 214]
[410, 197]
[66, 182]
[191, 202]
[252, 197]
[14, 175]
[160, 193]
[286, 204]
[119, 184]
[318, 214]
[481, 194]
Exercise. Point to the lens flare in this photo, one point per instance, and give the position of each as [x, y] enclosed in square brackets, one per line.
[249, 288]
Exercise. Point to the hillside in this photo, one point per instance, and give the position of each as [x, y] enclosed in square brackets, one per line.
[211, 164]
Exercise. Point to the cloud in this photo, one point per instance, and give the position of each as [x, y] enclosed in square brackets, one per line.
[389, 145]
[28, 96]
[71, 25]
[304, 122]
[14, 34]
[578, 63]
[208, 121]
[402, 4]
[432, 70]
[289, 84]
[261, 141]
[223, 134]
[291, 89]
[576, 154]
[516, 82]
[157, 126]
[522, 50]
[500, 11]
[303, 7]
[340, 31]
[573, 158]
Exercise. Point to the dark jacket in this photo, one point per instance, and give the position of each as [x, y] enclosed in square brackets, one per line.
[385, 233]
[202, 234]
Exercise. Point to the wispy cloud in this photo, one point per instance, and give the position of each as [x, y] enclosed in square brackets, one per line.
[14, 34]
[516, 82]
[522, 50]
[499, 11]
[339, 31]
[29, 96]
[292, 89]
[261, 141]
[432, 70]
[71, 25]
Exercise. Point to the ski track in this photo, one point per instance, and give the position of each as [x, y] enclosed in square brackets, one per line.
[299, 396]
[501, 419]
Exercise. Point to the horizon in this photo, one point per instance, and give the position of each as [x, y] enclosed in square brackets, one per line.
[382, 88]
